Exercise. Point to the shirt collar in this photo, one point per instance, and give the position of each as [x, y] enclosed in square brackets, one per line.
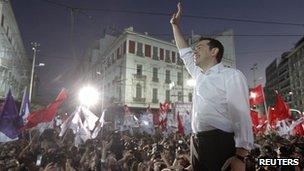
[214, 69]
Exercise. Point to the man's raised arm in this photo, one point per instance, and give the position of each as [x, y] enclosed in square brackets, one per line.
[178, 36]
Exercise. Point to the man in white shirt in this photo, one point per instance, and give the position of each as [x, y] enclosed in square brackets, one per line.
[220, 118]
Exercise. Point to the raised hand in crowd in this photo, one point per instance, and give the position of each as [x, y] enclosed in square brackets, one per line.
[68, 166]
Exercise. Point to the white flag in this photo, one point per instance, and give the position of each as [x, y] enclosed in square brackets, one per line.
[146, 123]
[100, 125]
[67, 123]
[4, 138]
[89, 118]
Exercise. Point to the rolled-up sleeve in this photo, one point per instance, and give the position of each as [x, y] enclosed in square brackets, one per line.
[239, 110]
[186, 54]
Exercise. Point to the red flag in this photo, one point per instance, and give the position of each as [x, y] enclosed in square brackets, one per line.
[46, 114]
[156, 119]
[254, 117]
[261, 127]
[164, 107]
[279, 112]
[256, 95]
[272, 116]
[299, 129]
[180, 126]
[281, 108]
[163, 124]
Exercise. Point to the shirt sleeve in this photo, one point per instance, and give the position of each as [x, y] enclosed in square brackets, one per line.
[239, 110]
[187, 55]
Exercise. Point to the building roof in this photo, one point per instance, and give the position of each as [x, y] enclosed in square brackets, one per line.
[299, 42]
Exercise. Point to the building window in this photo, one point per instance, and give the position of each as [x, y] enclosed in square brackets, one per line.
[118, 53]
[124, 49]
[7, 30]
[173, 57]
[139, 70]
[179, 78]
[155, 53]
[179, 60]
[190, 97]
[139, 49]
[161, 54]
[2, 20]
[154, 96]
[167, 56]
[167, 77]
[138, 90]
[131, 46]
[109, 61]
[147, 50]
[180, 96]
[155, 75]
[112, 58]
[167, 95]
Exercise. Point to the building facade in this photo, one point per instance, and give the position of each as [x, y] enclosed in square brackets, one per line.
[271, 82]
[296, 63]
[138, 70]
[14, 64]
[286, 76]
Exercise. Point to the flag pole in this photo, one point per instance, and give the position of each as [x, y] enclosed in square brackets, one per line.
[265, 105]
[22, 103]
[23, 98]
[266, 111]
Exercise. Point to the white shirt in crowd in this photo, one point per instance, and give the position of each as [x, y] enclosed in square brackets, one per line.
[220, 100]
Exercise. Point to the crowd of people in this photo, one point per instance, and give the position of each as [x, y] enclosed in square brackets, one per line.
[115, 150]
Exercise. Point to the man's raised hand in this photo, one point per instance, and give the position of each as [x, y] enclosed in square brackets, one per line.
[177, 15]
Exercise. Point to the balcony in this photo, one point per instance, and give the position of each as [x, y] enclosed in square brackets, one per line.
[139, 99]
[140, 77]
[154, 79]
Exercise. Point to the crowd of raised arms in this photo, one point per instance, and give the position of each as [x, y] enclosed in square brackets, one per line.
[115, 151]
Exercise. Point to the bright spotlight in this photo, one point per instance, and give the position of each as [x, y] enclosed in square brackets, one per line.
[88, 96]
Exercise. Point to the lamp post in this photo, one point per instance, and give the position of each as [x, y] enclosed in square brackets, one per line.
[34, 48]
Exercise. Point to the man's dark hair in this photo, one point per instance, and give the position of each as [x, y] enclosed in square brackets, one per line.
[213, 43]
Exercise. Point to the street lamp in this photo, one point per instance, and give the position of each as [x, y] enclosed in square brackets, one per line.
[88, 96]
[41, 64]
[34, 48]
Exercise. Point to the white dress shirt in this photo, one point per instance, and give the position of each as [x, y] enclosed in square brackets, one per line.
[220, 100]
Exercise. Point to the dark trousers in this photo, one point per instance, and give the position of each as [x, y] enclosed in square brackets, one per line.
[210, 150]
